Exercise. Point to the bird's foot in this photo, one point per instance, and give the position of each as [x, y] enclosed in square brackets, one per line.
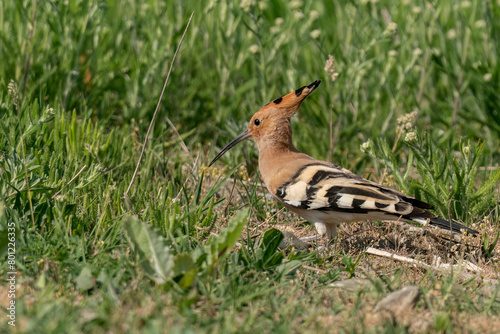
[316, 237]
[311, 238]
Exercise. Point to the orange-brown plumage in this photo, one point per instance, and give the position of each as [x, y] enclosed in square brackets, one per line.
[319, 191]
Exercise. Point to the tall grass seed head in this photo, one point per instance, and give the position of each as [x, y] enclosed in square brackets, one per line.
[465, 4]
[315, 33]
[12, 90]
[330, 68]
[246, 5]
[298, 15]
[451, 34]
[416, 10]
[313, 15]
[390, 29]
[294, 4]
[480, 24]
[253, 48]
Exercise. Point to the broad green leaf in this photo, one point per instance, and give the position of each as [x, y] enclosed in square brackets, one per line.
[151, 248]
[183, 263]
[288, 268]
[219, 247]
[84, 281]
[270, 242]
[187, 280]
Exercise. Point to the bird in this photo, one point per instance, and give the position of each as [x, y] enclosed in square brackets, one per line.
[321, 192]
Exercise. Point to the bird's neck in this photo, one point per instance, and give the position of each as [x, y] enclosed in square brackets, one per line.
[274, 152]
[277, 143]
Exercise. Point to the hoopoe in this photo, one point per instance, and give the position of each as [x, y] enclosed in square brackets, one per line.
[319, 191]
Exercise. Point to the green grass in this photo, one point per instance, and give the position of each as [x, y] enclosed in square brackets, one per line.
[184, 254]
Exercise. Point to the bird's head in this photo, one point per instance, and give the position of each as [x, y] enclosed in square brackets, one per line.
[270, 120]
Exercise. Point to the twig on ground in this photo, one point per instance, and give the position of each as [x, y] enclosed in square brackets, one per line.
[378, 252]
[156, 112]
[437, 265]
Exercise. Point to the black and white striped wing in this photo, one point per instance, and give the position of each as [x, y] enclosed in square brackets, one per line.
[332, 188]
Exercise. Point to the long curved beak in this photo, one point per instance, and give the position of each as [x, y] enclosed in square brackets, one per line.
[233, 142]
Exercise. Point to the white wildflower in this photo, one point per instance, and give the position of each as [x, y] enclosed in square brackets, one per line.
[298, 15]
[416, 10]
[246, 5]
[253, 48]
[417, 52]
[480, 24]
[279, 21]
[405, 122]
[294, 4]
[411, 137]
[391, 28]
[451, 34]
[314, 15]
[315, 33]
[465, 4]
[366, 146]
[487, 77]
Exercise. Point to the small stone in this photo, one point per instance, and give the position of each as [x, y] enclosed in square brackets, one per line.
[489, 290]
[398, 300]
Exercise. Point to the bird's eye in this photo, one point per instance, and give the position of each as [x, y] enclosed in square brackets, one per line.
[256, 122]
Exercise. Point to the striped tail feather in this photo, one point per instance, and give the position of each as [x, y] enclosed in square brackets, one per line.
[445, 225]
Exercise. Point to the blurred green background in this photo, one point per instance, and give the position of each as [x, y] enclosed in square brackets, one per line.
[107, 61]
